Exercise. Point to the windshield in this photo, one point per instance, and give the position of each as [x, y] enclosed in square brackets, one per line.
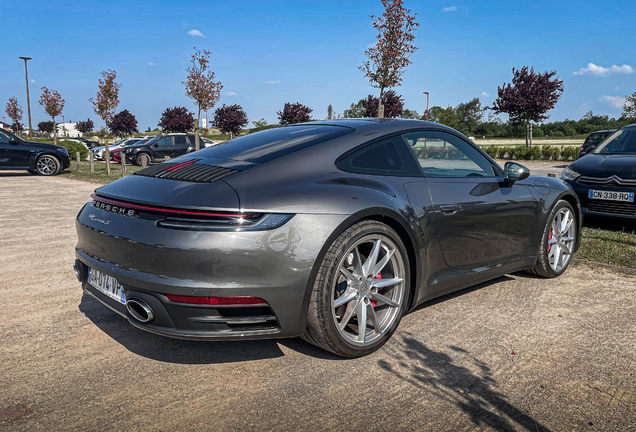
[150, 141]
[620, 142]
[597, 137]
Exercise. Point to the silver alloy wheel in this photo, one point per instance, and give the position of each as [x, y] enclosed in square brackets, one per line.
[46, 165]
[368, 289]
[561, 239]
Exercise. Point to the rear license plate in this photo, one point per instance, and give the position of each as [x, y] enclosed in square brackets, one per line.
[107, 285]
[611, 196]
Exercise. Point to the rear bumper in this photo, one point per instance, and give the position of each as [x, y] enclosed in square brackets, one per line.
[150, 262]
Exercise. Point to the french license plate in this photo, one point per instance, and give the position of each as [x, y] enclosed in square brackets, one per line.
[107, 285]
[611, 196]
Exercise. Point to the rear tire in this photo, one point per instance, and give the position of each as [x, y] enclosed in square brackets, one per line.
[558, 242]
[361, 291]
[47, 165]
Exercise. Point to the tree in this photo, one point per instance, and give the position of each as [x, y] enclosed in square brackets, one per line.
[259, 123]
[46, 126]
[53, 105]
[176, 120]
[86, 126]
[17, 127]
[447, 116]
[123, 124]
[530, 96]
[392, 103]
[356, 110]
[329, 112]
[629, 108]
[469, 116]
[410, 114]
[434, 114]
[15, 114]
[105, 104]
[201, 87]
[294, 113]
[389, 57]
[230, 119]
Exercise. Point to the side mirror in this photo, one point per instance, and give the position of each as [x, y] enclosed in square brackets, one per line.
[14, 141]
[156, 144]
[515, 172]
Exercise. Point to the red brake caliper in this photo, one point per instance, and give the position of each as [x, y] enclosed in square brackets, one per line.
[375, 302]
[550, 238]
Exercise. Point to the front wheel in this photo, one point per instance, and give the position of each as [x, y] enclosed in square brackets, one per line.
[47, 165]
[143, 159]
[558, 242]
[361, 291]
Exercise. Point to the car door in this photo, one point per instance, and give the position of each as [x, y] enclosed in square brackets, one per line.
[162, 148]
[181, 146]
[14, 153]
[481, 218]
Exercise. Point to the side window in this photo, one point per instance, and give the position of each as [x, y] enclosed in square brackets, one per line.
[165, 141]
[180, 139]
[444, 155]
[379, 158]
[4, 137]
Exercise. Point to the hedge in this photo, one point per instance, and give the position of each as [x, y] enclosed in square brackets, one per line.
[544, 152]
[72, 146]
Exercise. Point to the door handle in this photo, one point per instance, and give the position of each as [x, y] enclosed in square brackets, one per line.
[449, 210]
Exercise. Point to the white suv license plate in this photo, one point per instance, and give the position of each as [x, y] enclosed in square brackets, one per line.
[107, 285]
[611, 196]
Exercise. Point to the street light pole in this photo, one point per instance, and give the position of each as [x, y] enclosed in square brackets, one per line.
[426, 93]
[26, 74]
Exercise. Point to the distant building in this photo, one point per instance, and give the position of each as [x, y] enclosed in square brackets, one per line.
[67, 129]
[204, 123]
[3, 125]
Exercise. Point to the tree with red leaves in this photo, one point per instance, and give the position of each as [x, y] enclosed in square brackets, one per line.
[230, 119]
[176, 120]
[105, 104]
[123, 124]
[201, 87]
[294, 113]
[14, 111]
[392, 103]
[53, 105]
[46, 126]
[389, 57]
[530, 96]
[86, 126]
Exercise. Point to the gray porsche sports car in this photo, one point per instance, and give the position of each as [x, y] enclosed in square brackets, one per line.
[328, 230]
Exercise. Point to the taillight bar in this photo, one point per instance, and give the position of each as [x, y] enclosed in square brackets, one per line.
[221, 301]
[170, 211]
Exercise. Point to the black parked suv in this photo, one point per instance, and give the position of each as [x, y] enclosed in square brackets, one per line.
[593, 140]
[37, 158]
[158, 148]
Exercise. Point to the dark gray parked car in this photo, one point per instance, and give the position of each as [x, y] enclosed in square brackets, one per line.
[327, 230]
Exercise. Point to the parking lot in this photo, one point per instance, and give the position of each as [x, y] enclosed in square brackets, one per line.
[517, 353]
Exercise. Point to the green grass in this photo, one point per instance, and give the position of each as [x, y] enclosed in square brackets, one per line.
[611, 247]
[99, 176]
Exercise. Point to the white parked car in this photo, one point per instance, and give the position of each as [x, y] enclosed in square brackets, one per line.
[98, 152]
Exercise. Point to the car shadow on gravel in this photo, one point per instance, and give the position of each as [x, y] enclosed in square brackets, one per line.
[16, 174]
[470, 386]
[181, 351]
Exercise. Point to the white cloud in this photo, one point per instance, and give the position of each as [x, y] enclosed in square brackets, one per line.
[195, 32]
[32, 80]
[593, 69]
[272, 82]
[150, 64]
[613, 101]
[484, 94]
[449, 9]
[617, 88]
[231, 94]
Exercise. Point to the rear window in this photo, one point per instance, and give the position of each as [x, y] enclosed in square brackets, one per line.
[267, 145]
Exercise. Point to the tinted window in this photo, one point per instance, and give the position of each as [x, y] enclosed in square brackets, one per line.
[4, 137]
[271, 144]
[153, 140]
[180, 139]
[379, 158]
[165, 141]
[623, 141]
[444, 155]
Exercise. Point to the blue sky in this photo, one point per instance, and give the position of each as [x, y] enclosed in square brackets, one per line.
[270, 52]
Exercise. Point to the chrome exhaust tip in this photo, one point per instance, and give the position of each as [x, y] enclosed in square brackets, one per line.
[77, 269]
[140, 310]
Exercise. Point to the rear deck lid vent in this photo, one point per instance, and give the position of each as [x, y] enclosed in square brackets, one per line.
[187, 171]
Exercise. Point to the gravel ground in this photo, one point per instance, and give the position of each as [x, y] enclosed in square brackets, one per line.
[518, 353]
